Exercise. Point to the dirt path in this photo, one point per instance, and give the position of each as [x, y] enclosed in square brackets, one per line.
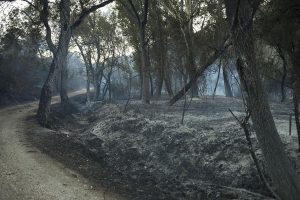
[26, 173]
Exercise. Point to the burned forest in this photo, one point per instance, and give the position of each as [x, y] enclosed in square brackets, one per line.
[149, 100]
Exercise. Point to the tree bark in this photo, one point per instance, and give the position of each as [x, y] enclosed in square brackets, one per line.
[98, 84]
[88, 92]
[61, 52]
[168, 85]
[65, 18]
[296, 109]
[145, 66]
[228, 91]
[59, 60]
[286, 180]
[296, 88]
[65, 104]
[158, 83]
[294, 53]
[284, 73]
[88, 68]
[47, 90]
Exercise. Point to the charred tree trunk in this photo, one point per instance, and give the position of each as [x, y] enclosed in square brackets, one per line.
[168, 85]
[145, 66]
[57, 64]
[151, 85]
[159, 83]
[109, 84]
[228, 91]
[284, 73]
[286, 180]
[88, 92]
[47, 90]
[98, 85]
[141, 19]
[61, 52]
[65, 104]
[294, 53]
[296, 90]
[188, 34]
[295, 57]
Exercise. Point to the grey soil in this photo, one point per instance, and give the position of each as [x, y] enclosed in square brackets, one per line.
[26, 173]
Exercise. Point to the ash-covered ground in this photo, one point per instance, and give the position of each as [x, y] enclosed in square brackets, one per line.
[145, 149]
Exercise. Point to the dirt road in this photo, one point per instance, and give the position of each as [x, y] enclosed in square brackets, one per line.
[26, 173]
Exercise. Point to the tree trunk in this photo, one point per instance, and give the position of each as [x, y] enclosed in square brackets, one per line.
[59, 60]
[104, 91]
[228, 91]
[151, 85]
[296, 90]
[159, 82]
[168, 85]
[295, 58]
[98, 85]
[188, 34]
[284, 73]
[217, 83]
[88, 92]
[109, 84]
[284, 176]
[145, 66]
[65, 104]
[47, 90]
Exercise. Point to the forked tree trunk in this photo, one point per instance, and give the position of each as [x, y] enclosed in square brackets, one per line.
[58, 62]
[141, 19]
[48, 87]
[60, 55]
[284, 176]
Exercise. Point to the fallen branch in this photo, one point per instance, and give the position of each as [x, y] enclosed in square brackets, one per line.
[199, 72]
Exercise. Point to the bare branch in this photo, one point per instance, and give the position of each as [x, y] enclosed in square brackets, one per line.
[86, 13]
[31, 4]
